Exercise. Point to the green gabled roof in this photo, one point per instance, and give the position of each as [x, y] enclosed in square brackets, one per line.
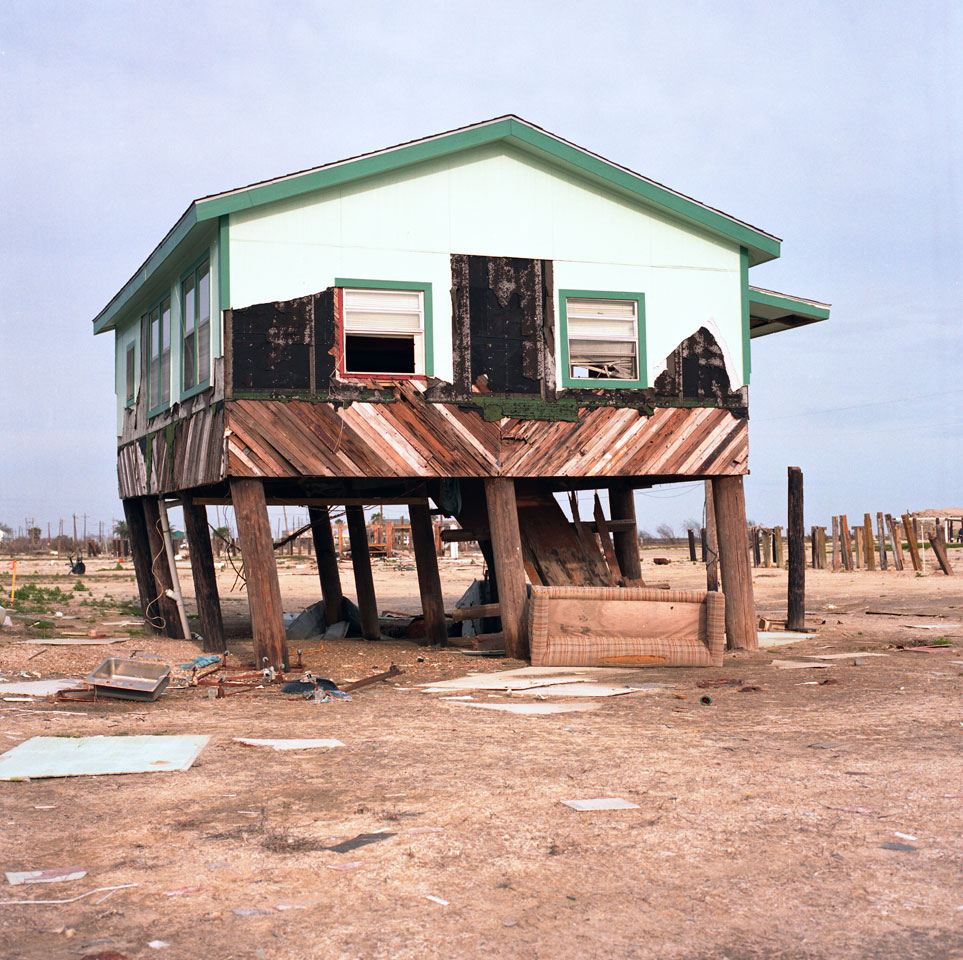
[510, 129]
[770, 312]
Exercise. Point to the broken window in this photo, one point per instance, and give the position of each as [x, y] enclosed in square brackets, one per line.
[603, 338]
[196, 313]
[384, 331]
[131, 382]
[159, 371]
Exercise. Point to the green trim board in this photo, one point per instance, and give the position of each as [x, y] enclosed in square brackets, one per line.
[569, 381]
[425, 288]
[744, 304]
[224, 262]
[773, 312]
[510, 129]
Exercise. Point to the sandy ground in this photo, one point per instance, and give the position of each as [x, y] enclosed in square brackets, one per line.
[758, 832]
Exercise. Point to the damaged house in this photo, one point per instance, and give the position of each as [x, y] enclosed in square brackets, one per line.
[479, 321]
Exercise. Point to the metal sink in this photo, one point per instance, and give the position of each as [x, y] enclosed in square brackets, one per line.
[130, 679]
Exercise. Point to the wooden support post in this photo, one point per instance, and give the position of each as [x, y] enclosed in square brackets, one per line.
[858, 544]
[756, 541]
[363, 578]
[205, 579]
[509, 567]
[692, 549]
[835, 544]
[778, 554]
[622, 507]
[813, 541]
[896, 541]
[847, 543]
[140, 554]
[712, 542]
[939, 550]
[429, 581]
[869, 547]
[766, 547]
[730, 512]
[703, 544]
[912, 544]
[323, 540]
[821, 548]
[260, 573]
[796, 607]
[389, 538]
[883, 565]
[164, 606]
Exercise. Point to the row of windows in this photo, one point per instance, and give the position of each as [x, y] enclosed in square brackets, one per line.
[195, 304]
[384, 333]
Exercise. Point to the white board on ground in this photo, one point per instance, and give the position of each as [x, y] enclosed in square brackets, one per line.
[54, 875]
[290, 744]
[74, 641]
[781, 638]
[94, 756]
[602, 803]
[583, 690]
[843, 656]
[38, 688]
[798, 665]
[522, 678]
[533, 709]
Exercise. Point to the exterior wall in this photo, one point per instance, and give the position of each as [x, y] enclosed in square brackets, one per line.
[405, 225]
[130, 330]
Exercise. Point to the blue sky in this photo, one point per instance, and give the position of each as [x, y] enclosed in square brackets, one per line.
[836, 126]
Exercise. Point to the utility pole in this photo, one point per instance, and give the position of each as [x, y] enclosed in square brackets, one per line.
[75, 527]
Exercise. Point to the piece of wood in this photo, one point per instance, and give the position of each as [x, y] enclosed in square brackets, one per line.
[141, 555]
[509, 567]
[363, 578]
[778, 548]
[883, 565]
[756, 540]
[796, 597]
[730, 512]
[429, 580]
[813, 548]
[478, 612]
[821, 541]
[327, 558]
[858, 544]
[487, 641]
[605, 540]
[624, 530]
[712, 542]
[912, 543]
[205, 578]
[260, 572]
[692, 548]
[162, 606]
[896, 541]
[835, 544]
[869, 547]
[939, 549]
[847, 543]
[766, 547]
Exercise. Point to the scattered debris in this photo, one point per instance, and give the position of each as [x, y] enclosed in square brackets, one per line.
[705, 700]
[54, 875]
[350, 865]
[198, 663]
[602, 803]
[290, 744]
[180, 891]
[434, 899]
[75, 641]
[532, 709]
[842, 656]
[129, 679]
[893, 845]
[825, 745]
[80, 896]
[42, 757]
[158, 944]
[392, 671]
[751, 689]
[903, 836]
[706, 684]
[798, 665]
[39, 688]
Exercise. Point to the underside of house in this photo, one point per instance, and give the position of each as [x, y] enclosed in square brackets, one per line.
[483, 385]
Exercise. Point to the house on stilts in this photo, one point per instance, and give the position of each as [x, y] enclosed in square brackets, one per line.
[469, 323]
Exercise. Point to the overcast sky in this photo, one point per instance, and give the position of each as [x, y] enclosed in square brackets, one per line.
[837, 126]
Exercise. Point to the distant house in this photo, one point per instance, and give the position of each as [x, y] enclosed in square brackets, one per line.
[485, 318]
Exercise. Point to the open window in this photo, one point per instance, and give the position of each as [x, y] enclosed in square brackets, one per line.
[602, 339]
[384, 329]
[131, 375]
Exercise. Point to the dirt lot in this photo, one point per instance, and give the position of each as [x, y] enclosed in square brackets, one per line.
[759, 829]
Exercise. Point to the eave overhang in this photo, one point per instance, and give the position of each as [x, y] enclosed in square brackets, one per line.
[772, 312]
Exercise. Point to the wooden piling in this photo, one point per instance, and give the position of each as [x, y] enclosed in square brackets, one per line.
[163, 606]
[429, 581]
[766, 547]
[912, 543]
[883, 565]
[327, 557]
[260, 572]
[939, 550]
[205, 578]
[509, 567]
[896, 541]
[622, 507]
[363, 578]
[778, 552]
[835, 544]
[869, 547]
[858, 544]
[730, 513]
[141, 556]
[692, 548]
[847, 543]
[712, 541]
[796, 605]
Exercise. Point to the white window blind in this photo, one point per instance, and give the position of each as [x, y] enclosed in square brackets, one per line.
[603, 338]
[384, 331]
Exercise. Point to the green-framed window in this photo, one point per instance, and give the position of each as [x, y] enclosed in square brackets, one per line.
[130, 374]
[384, 329]
[602, 338]
[159, 352]
[196, 326]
